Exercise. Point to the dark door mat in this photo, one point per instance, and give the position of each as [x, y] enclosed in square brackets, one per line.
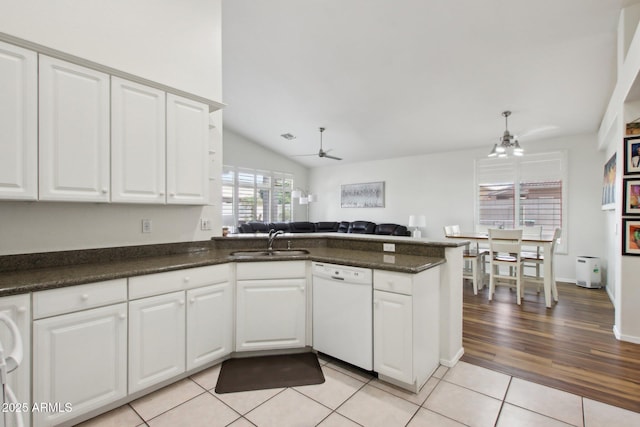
[261, 372]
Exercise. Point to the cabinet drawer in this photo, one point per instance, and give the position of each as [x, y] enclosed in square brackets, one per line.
[75, 298]
[170, 281]
[392, 282]
[271, 270]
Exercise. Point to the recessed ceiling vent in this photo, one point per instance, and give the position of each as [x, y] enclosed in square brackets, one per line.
[288, 136]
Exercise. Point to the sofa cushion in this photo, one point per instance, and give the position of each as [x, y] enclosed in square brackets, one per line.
[245, 228]
[302, 227]
[343, 227]
[401, 230]
[387, 229]
[327, 226]
[362, 227]
[279, 226]
[254, 227]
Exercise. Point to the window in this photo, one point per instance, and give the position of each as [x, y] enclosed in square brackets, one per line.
[255, 195]
[522, 191]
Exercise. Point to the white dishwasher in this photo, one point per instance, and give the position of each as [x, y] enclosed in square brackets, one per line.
[342, 313]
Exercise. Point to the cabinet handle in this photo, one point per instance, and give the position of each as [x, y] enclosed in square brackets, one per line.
[186, 279]
[84, 297]
[161, 193]
[192, 300]
[172, 194]
[122, 316]
[21, 309]
[301, 288]
[181, 302]
[105, 191]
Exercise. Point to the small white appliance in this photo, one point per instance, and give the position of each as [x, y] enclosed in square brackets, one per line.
[588, 272]
[8, 364]
[343, 313]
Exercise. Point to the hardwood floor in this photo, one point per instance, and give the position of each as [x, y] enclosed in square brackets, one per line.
[570, 346]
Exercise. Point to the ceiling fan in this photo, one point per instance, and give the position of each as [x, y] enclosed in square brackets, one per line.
[321, 152]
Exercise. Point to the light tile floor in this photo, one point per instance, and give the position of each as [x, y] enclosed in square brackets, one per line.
[463, 395]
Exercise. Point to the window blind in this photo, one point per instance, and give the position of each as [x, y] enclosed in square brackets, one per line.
[520, 191]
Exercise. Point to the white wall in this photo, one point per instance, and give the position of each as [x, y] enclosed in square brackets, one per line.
[170, 42]
[242, 152]
[441, 186]
[624, 106]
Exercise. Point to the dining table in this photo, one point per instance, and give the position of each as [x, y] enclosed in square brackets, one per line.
[543, 242]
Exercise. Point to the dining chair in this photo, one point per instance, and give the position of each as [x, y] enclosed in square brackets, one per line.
[473, 260]
[531, 251]
[538, 259]
[505, 248]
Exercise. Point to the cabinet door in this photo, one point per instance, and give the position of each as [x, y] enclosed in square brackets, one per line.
[187, 151]
[74, 132]
[392, 335]
[209, 324]
[156, 339]
[17, 307]
[18, 123]
[270, 314]
[81, 359]
[137, 143]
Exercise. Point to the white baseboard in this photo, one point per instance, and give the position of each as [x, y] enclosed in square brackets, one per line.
[621, 337]
[451, 362]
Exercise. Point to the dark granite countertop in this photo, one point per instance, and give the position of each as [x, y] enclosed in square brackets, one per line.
[99, 265]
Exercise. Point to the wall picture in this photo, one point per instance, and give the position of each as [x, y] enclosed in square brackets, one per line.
[632, 155]
[630, 236]
[608, 184]
[631, 196]
[367, 195]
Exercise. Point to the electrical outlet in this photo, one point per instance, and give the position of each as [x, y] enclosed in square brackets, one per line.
[389, 247]
[205, 224]
[146, 226]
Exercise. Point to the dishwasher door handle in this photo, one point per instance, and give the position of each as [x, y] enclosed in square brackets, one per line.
[337, 278]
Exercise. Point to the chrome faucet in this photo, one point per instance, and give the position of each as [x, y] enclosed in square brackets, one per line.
[272, 236]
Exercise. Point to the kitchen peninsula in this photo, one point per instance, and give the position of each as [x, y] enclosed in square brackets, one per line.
[156, 292]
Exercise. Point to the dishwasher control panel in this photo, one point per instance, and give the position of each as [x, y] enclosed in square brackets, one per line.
[342, 272]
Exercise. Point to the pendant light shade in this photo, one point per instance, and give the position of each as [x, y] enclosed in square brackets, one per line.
[508, 142]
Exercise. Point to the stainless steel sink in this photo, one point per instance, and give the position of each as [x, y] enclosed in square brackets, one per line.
[275, 252]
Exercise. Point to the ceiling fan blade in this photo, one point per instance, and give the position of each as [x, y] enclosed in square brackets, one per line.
[331, 157]
[303, 155]
[537, 130]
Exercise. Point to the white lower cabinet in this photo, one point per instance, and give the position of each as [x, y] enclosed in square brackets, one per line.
[271, 313]
[79, 362]
[406, 349]
[156, 339]
[393, 326]
[178, 320]
[18, 308]
[209, 324]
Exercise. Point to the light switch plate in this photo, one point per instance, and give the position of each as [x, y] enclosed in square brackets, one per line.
[389, 247]
[146, 226]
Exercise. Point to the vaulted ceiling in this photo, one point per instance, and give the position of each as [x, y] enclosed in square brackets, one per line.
[406, 77]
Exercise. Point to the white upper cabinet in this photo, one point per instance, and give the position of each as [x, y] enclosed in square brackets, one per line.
[74, 132]
[18, 123]
[137, 143]
[187, 151]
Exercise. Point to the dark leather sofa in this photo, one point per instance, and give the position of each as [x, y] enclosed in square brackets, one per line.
[355, 227]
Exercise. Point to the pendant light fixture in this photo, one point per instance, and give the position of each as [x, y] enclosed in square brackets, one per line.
[507, 142]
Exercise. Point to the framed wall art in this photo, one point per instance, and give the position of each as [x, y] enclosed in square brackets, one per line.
[632, 155]
[630, 236]
[631, 196]
[367, 195]
[608, 184]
